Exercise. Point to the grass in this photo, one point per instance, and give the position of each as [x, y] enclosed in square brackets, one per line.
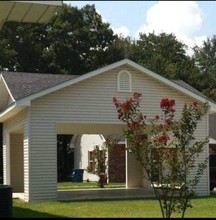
[203, 207]
[86, 185]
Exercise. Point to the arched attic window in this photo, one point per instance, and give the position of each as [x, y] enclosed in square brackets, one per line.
[124, 81]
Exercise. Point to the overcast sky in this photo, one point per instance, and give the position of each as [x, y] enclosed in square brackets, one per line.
[190, 21]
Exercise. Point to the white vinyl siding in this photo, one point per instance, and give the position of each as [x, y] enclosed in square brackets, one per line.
[43, 160]
[75, 128]
[200, 134]
[12, 125]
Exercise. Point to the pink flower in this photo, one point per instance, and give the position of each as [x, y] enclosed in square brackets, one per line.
[172, 110]
[167, 103]
[164, 103]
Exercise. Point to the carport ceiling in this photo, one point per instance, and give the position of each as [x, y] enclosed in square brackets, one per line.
[27, 11]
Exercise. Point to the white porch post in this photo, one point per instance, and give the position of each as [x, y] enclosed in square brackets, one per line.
[6, 158]
[126, 163]
[26, 158]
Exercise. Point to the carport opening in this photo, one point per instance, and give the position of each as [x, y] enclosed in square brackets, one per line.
[1, 154]
[74, 155]
[65, 158]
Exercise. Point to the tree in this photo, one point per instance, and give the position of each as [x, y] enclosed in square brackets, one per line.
[72, 43]
[77, 38]
[163, 54]
[65, 158]
[121, 48]
[169, 159]
[205, 59]
[22, 46]
[99, 164]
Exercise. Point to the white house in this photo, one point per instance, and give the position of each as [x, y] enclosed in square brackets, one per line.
[83, 145]
[35, 108]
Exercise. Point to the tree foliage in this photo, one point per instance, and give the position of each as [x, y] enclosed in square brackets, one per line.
[22, 46]
[205, 59]
[165, 55]
[99, 165]
[71, 43]
[78, 38]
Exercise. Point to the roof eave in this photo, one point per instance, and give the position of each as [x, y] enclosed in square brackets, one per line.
[8, 112]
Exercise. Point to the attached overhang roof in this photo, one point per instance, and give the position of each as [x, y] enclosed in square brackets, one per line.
[27, 11]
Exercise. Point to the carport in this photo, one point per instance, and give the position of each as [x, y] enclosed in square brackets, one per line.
[67, 104]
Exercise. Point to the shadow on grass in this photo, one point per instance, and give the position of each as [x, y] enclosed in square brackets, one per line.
[105, 199]
[28, 213]
[212, 195]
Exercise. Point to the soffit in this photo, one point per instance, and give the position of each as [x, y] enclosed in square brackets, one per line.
[27, 11]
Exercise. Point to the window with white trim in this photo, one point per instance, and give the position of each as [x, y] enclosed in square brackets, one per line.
[124, 81]
[91, 162]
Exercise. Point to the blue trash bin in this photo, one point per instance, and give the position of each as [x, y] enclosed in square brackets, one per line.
[77, 175]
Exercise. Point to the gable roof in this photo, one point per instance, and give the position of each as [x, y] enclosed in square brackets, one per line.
[22, 84]
[192, 89]
[25, 87]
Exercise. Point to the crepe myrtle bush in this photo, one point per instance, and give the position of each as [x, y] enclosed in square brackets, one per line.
[167, 149]
[99, 164]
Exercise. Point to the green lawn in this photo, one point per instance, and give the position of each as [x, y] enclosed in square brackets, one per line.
[203, 207]
[87, 185]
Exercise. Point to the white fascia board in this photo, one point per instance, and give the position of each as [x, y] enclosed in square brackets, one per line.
[10, 112]
[2, 78]
[7, 110]
[212, 107]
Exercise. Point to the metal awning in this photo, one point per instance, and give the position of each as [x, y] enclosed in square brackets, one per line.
[27, 11]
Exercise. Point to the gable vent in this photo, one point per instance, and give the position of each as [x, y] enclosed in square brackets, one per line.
[124, 81]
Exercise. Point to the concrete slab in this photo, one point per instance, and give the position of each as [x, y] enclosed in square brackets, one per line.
[102, 193]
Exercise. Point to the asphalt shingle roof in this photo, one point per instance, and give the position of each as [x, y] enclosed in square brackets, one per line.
[192, 89]
[23, 84]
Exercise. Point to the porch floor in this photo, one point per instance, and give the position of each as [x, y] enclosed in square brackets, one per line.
[97, 194]
[102, 193]
[18, 196]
